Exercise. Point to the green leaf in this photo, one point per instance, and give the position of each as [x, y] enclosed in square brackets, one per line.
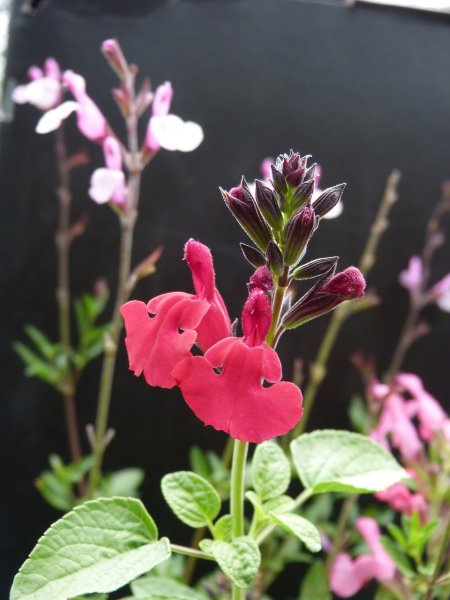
[400, 559]
[124, 482]
[56, 491]
[271, 471]
[199, 462]
[223, 528]
[45, 346]
[239, 559]
[192, 498]
[358, 414]
[153, 587]
[282, 504]
[98, 547]
[303, 529]
[92, 597]
[38, 367]
[315, 584]
[341, 461]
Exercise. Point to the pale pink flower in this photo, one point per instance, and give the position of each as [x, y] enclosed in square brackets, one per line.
[411, 277]
[348, 576]
[52, 119]
[440, 293]
[168, 131]
[90, 120]
[44, 90]
[108, 184]
[265, 167]
[172, 133]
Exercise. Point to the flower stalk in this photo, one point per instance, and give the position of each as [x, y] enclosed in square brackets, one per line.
[127, 223]
[63, 243]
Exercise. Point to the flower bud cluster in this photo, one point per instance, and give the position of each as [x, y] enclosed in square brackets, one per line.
[280, 217]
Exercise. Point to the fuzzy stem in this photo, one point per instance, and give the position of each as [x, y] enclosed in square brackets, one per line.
[237, 500]
[127, 223]
[440, 559]
[63, 243]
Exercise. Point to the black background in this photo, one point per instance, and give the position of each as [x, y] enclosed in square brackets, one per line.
[364, 90]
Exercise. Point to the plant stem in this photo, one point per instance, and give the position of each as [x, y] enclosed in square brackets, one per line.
[277, 305]
[127, 223]
[237, 500]
[63, 243]
[190, 552]
[318, 369]
[439, 560]
[339, 537]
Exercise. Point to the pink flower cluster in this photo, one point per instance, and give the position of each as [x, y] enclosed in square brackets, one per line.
[224, 387]
[164, 130]
[401, 403]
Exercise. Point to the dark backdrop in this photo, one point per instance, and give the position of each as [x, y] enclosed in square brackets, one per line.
[363, 90]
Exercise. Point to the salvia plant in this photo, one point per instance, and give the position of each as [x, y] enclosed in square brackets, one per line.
[264, 503]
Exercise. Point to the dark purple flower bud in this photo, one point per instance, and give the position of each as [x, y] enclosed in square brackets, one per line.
[253, 256]
[243, 207]
[261, 280]
[316, 268]
[303, 193]
[313, 173]
[298, 233]
[275, 260]
[293, 167]
[278, 180]
[328, 200]
[324, 296]
[268, 205]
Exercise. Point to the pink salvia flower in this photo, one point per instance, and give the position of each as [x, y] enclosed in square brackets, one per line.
[91, 122]
[429, 412]
[168, 131]
[44, 90]
[402, 500]
[108, 184]
[411, 277]
[396, 420]
[161, 333]
[261, 280]
[235, 400]
[348, 576]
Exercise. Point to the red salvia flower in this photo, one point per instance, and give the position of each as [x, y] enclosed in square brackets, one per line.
[161, 333]
[235, 400]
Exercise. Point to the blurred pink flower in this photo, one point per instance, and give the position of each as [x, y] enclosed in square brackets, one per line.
[401, 499]
[348, 576]
[44, 90]
[411, 277]
[91, 122]
[108, 184]
[168, 131]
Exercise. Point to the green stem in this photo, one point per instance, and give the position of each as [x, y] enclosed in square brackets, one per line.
[440, 559]
[277, 304]
[190, 552]
[127, 222]
[237, 500]
[338, 540]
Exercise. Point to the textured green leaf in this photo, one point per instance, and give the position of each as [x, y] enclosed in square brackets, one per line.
[153, 587]
[303, 529]
[45, 346]
[315, 584]
[37, 366]
[192, 498]
[282, 504]
[98, 547]
[239, 559]
[398, 556]
[271, 472]
[223, 528]
[341, 461]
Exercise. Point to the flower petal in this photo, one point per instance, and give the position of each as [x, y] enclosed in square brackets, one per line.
[104, 184]
[235, 400]
[44, 93]
[155, 344]
[172, 133]
[53, 118]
